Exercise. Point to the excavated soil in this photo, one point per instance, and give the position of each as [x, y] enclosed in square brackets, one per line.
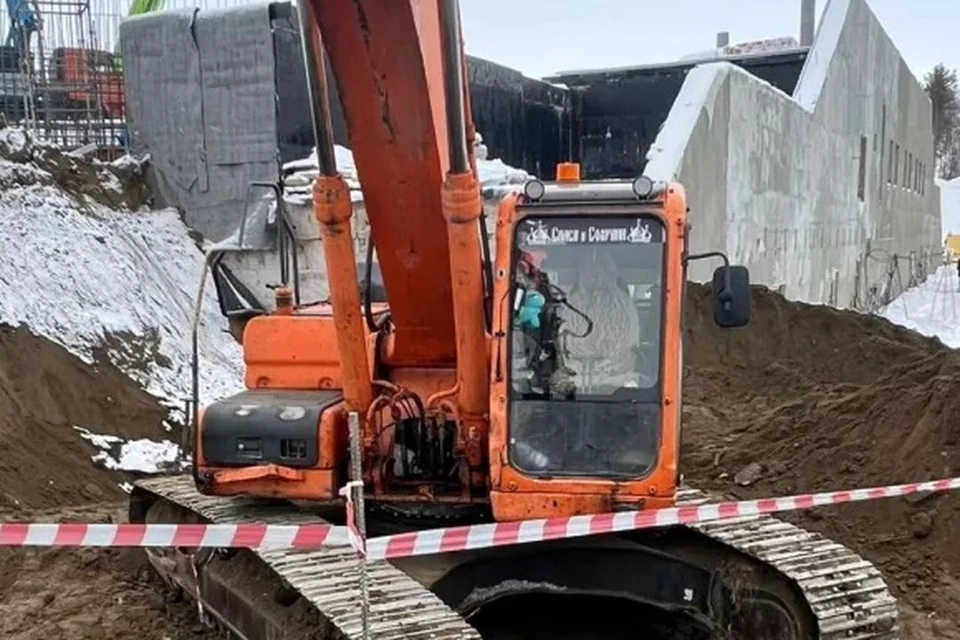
[809, 398]
[803, 399]
[47, 475]
[45, 391]
[118, 185]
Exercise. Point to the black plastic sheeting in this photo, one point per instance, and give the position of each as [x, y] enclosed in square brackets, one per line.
[524, 122]
[618, 113]
[607, 120]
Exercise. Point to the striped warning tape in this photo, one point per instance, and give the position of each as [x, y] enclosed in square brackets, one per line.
[222, 536]
[432, 540]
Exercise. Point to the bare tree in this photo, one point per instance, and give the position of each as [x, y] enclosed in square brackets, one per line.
[942, 88]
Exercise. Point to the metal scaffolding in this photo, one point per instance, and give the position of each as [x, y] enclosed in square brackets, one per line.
[61, 75]
[56, 80]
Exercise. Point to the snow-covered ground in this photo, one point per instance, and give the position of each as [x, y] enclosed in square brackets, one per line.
[87, 277]
[125, 282]
[143, 455]
[932, 308]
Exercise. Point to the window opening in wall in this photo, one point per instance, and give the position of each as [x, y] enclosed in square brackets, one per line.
[908, 173]
[883, 146]
[916, 175]
[891, 173]
[906, 165]
[862, 171]
[896, 166]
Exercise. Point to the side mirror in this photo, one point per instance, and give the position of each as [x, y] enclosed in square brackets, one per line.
[731, 296]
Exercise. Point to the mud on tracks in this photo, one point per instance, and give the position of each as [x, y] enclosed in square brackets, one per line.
[810, 398]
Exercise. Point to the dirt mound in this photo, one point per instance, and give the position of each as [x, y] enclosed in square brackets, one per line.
[89, 593]
[809, 398]
[118, 185]
[44, 392]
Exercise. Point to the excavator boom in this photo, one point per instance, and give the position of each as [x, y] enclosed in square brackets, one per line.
[387, 61]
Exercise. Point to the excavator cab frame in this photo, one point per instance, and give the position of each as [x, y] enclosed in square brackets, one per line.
[640, 229]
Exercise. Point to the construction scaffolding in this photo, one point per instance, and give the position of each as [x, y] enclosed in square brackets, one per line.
[61, 74]
[56, 81]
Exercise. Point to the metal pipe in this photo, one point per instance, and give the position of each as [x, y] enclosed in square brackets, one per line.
[453, 86]
[359, 510]
[333, 211]
[314, 63]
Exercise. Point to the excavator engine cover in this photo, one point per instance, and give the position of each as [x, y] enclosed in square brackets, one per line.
[266, 426]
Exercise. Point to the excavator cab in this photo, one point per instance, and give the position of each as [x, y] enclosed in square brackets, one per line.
[587, 368]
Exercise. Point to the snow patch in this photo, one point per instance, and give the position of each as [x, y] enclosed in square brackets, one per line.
[932, 308]
[300, 174]
[99, 441]
[14, 143]
[118, 282]
[143, 456]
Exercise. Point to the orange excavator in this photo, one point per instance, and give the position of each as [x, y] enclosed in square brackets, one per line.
[538, 378]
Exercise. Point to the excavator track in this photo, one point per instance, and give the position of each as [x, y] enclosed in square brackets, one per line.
[327, 577]
[846, 594]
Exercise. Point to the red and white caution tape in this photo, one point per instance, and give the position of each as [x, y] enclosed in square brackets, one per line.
[354, 535]
[433, 540]
[223, 536]
[499, 534]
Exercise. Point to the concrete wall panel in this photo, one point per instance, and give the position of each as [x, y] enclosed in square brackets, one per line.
[775, 180]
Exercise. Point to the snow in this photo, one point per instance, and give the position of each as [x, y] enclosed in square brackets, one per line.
[120, 283]
[753, 47]
[666, 153]
[495, 176]
[949, 206]
[142, 456]
[99, 441]
[814, 72]
[89, 278]
[13, 142]
[932, 308]
[300, 174]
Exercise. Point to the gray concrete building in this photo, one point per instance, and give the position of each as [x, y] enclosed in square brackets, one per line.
[827, 194]
[810, 161]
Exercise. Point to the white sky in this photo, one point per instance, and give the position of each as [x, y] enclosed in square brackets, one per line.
[540, 37]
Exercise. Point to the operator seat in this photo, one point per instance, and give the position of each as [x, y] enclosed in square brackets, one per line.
[606, 359]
